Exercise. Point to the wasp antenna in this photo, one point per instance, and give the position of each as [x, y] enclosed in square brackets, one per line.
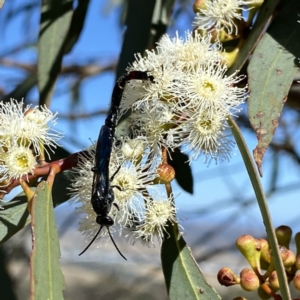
[115, 244]
[91, 242]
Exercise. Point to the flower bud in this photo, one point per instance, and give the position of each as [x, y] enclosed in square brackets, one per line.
[296, 281]
[250, 248]
[227, 277]
[262, 294]
[166, 174]
[35, 115]
[133, 149]
[274, 282]
[283, 251]
[297, 241]
[284, 255]
[297, 262]
[290, 260]
[284, 234]
[249, 280]
[198, 5]
[265, 256]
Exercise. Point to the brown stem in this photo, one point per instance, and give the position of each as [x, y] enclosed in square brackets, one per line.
[268, 290]
[53, 171]
[164, 154]
[49, 169]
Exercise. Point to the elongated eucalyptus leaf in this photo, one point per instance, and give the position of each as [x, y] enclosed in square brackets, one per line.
[54, 26]
[183, 277]
[22, 89]
[78, 20]
[14, 215]
[271, 72]
[46, 278]
[183, 171]
[136, 37]
[146, 22]
[263, 18]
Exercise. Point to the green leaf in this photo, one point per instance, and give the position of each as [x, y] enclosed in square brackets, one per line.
[77, 24]
[55, 22]
[271, 72]
[183, 171]
[22, 89]
[60, 190]
[184, 279]
[258, 29]
[1, 3]
[136, 37]
[46, 280]
[146, 22]
[13, 217]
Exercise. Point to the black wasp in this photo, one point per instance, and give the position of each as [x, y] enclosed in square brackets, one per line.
[102, 191]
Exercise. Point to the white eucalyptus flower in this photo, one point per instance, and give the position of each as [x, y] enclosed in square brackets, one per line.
[27, 126]
[193, 50]
[16, 162]
[130, 183]
[128, 179]
[88, 225]
[202, 132]
[81, 187]
[221, 14]
[81, 190]
[156, 217]
[151, 92]
[154, 125]
[133, 149]
[207, 87]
